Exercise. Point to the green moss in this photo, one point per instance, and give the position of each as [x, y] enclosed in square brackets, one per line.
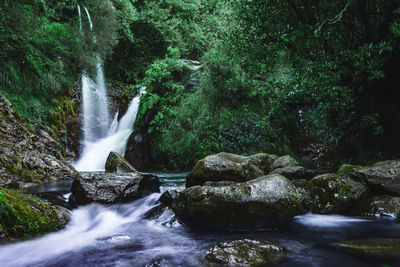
[22, 215]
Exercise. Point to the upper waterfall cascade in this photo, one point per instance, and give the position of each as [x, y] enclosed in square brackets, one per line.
[100, 135]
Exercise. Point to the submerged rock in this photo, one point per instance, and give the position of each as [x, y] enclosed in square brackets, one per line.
[117, 164]
[222, 167]
[284, 161]
[112, 188]
[377, 248]
[245, 252]
[268, 201]
[381, 177]
[378, 206]
[332, 193]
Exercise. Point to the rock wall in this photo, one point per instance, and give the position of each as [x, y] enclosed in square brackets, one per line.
[28, 155]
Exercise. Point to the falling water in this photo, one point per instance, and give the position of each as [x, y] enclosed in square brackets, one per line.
[89, 18]
[100, 137]
[95, 152]
[80, 17]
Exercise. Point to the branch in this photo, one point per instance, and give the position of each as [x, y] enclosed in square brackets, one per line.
[331, 21]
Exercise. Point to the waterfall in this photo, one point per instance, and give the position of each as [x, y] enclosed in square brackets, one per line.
[100, 137]
[89, 18]
[95, 153]
[80, 17]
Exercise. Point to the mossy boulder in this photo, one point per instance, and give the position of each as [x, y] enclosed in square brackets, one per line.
[263, 161]
[223, 167]
[268, 201]
[245, 252]
[284, 161]
[374, 248]
[23, 215]
[332, 193]
[382, 177]
[117, 164]
[112, 188]
[378, 206]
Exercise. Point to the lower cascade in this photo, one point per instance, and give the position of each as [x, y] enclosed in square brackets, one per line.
[95, 152]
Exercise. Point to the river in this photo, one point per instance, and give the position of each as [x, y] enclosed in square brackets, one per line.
[135, 234]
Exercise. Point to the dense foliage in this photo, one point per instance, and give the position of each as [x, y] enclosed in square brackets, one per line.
[43, 50]
[313, 78]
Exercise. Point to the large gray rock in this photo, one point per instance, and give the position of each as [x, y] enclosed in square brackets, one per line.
[28, 155]
[378, 206]
[245, 252]
[332, 193]
[268, 201]
[284, 161]
[222, 167]
[381, 177]
[376, 248]
[117, 164]
[112, 188]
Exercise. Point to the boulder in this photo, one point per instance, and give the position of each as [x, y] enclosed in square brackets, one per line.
[382, 177]
[284, 161]
[378, 206]
[375, 248]
[23, 215]
[245, 252]
[332, 193]
[222, 167]
[294, 172]
[117, 164]
[263, 161]
[111, 188]
[268, 201]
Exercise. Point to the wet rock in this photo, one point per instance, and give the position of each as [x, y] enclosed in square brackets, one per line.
[284, 161]
[112, 188]
[332, 193]
[376, 248]
[27, 155]
[263, 161]
[155, 212]
[294, 172]
[268, 201]
[378, 206]
[117, 164]
[245, 252]
[381, 177]
[138, 148]
[168, 196]
[23, 215]
[306, 201]
[222, 167]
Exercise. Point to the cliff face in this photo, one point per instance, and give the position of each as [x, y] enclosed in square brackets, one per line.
[28, 156]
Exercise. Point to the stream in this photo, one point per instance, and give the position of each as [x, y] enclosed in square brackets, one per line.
[131, 235]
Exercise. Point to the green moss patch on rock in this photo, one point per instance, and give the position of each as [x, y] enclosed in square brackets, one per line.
[23, 215]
